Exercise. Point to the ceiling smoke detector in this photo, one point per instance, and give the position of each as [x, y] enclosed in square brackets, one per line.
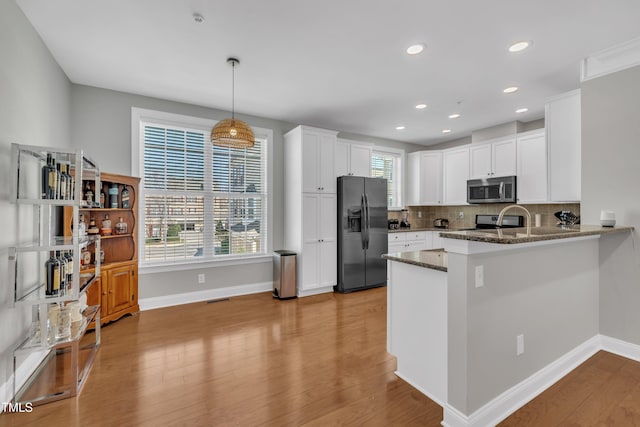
[198, 18]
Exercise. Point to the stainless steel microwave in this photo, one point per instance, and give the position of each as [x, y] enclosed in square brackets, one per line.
[492, 190]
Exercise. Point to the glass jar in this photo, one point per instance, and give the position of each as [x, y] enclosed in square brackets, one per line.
[106, 226]
[121, 227]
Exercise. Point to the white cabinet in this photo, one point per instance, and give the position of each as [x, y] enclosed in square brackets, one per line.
[424, 178]
[562, 121]
[437, 241]
[318, 260]
[532, 167]
[317, 157]
[405, 241]
[311, 207]
[352, 158]
[456, 174]
[493, 159]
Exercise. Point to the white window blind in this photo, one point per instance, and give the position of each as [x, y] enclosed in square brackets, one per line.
[201, 201]
[387, 166]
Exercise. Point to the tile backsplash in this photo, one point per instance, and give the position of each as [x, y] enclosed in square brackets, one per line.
[423, 216]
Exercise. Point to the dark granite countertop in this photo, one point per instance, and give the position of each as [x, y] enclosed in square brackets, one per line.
[519, 235]
[406, 230]
[435, 259]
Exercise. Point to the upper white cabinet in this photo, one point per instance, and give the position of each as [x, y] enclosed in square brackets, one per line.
[352, 158]
[316, 152]
[493, 158]
[532, 167]
[562, 121]
[456, 174]
[424, 178]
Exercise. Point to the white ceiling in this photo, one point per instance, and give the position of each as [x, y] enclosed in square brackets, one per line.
[338, 64]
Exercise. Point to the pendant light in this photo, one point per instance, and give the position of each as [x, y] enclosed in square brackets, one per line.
[232, 132]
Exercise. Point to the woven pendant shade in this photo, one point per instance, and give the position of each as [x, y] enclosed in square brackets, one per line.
[232, 132]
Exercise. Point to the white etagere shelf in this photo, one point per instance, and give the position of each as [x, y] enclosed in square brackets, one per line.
[28, 272]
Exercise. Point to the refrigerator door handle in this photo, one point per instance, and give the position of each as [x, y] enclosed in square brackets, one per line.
[366, 202]
[363, 221]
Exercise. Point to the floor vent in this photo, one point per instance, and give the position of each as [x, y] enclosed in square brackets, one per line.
[213, 301]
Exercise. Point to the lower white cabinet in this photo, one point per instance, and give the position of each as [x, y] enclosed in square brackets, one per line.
[405, 241]
[532, 167]
[437, 241]
[318, 261]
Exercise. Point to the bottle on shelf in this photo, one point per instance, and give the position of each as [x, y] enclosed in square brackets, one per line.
[103, 198]
[52, 275]
[63, 329]
[88, 194]
[63, 181]
[63, 270]
[106, 226]
[125, 198]
[82, 227]
[93, 229]
[121, 227]
[70, 186]
[47, 179]
[58, 181]
[113, 195]
[69, 256]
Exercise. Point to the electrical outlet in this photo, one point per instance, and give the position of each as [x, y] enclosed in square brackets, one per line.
[419, 214]
[201, 278]
[461, 215]
[519, 344]
[479, 276]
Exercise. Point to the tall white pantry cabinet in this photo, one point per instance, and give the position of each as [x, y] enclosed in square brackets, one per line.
[311, 207]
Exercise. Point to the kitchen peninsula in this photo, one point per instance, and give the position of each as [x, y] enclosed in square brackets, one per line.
[495, 318]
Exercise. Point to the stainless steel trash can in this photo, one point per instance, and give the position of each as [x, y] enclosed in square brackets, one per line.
[284, 274]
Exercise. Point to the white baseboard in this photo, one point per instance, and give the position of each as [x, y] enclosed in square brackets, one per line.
[621, 348]
[508, 402]
[420, 389]
[205, 295]
[316, 291]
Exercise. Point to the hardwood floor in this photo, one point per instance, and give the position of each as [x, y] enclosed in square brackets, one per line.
[314, 361]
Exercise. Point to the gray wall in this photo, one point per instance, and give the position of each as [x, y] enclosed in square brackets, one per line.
[610, 177]
[101, 124]
[34, 109]
[556, 309]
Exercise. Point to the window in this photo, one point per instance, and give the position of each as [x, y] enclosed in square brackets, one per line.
[199, 201]
[388, 165]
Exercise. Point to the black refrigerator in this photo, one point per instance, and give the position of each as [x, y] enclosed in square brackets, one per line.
[362, 233]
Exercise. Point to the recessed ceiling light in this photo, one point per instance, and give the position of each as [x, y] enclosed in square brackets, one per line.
[446, 130]
[510, 89]
[522, 110]
[198, 18]
[454, 116]
[519, 46]
[421, 106]
[399, 127]
[415, 49]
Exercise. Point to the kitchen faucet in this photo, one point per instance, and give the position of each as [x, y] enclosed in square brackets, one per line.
[502, 212]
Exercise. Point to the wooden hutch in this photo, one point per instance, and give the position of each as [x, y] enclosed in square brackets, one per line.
[116, 291]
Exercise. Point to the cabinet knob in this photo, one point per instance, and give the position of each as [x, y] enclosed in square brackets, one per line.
[110, 291]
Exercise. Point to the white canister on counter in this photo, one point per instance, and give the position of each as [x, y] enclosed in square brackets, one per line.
[607, 218]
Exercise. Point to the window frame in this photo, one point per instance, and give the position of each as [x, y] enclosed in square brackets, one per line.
[139, 116]
[398, 166]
